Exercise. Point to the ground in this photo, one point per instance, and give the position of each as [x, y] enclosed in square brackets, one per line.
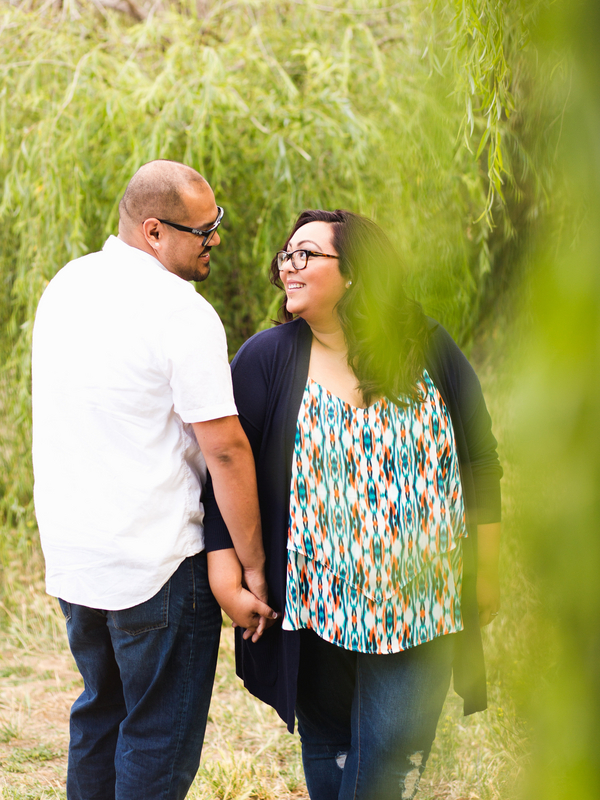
[248, 752]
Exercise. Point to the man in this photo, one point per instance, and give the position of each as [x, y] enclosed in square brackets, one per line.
[132, 400]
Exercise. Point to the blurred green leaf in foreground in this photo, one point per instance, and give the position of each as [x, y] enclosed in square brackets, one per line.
[558, 395]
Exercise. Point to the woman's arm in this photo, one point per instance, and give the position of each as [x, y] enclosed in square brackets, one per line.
[472, 415]
[488, 584]
[486, 471]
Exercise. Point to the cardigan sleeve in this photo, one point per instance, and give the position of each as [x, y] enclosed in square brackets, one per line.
[485, 464]
[250, 373]
[471, 410]
[216, 535]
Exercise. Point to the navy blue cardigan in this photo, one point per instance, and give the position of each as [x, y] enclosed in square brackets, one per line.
[269, 377]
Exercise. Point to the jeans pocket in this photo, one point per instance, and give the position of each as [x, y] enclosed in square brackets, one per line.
[65, 608]
[149, 616]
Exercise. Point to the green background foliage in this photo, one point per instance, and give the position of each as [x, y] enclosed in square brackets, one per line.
[398, 112]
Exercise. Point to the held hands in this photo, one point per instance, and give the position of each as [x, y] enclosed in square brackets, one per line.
[241, 605]
[247, 611]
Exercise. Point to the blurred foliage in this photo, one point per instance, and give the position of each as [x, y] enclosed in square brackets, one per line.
[558, 415]
[417, 113]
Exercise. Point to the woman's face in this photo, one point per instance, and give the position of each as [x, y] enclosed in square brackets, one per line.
[313, 292]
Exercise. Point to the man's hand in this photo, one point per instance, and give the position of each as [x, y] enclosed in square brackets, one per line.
[488, 583]
[254, 580]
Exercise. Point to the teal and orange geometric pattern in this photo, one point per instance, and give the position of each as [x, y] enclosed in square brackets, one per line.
[376, 519]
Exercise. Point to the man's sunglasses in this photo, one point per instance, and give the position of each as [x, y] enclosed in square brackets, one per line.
[207, 234]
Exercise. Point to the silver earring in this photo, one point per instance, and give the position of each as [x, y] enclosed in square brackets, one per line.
[348, 284]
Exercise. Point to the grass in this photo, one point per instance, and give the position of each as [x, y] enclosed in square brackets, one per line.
[248, 753]
[24, 759]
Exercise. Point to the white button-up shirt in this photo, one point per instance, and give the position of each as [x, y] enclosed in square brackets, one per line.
[126, 355]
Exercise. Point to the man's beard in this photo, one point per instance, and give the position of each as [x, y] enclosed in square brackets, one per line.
[198, 278]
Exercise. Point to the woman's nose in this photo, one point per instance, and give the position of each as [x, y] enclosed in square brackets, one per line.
[288, 266]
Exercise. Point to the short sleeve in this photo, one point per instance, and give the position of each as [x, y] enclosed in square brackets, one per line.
[194, 349]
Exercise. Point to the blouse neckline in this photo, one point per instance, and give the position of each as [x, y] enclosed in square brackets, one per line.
[381, 400]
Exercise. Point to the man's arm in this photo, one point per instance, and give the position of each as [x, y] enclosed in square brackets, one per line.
[231, 464]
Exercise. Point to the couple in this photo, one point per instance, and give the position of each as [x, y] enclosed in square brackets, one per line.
[364, 446]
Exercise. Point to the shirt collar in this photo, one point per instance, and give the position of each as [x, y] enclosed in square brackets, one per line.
[119, 249]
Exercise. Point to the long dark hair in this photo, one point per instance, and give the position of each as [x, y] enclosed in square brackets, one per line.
[385, 331]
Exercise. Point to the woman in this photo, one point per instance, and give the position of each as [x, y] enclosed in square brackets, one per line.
[378, 481]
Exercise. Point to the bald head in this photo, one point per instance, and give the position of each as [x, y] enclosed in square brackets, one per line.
[158, 189]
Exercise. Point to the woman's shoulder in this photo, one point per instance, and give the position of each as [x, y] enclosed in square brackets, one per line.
[447, 363]
[444, 355]
[440, 344]
[265, 345]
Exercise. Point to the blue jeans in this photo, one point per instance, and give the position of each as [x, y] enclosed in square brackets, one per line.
[367, 722]
[138, 727]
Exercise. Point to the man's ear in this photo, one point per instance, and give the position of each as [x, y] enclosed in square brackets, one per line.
[152, 231]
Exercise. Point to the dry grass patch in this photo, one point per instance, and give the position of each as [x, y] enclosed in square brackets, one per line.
[37, 689]
[248, 754]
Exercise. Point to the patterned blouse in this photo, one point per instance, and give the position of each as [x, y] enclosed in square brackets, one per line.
[376, 519]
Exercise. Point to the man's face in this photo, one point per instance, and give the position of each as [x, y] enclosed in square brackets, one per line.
[182, 253]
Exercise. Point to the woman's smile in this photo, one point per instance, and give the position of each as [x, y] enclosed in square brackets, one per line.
[292, 285]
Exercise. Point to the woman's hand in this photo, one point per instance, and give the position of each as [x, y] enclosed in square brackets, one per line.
[488, 596]
[488, 582]
[244, 609]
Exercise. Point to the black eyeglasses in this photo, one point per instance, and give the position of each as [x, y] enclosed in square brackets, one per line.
[299, 258]
[208, 233]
